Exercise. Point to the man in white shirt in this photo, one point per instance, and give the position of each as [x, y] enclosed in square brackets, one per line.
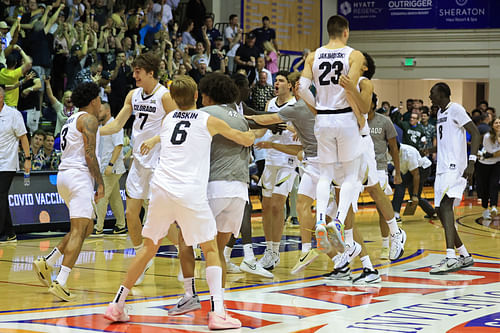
[112, 169]
[12, 130]
[233, 35]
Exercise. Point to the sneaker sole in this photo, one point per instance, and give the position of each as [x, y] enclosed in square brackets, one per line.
[445, 272]
[63, 297]
[322, 239]
[303, 265]
[39, 276]
[334, 237]
[184, 311]
[255, 272]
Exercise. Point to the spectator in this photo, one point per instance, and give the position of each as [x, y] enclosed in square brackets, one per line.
[61, 47]
[118, 16]
[246, 57]
[202, 47]
[409, 108]
[196, 12]
[166, 11]
[36, 150]
[233, 35]
[121, 82]
[105, 86]
[483, 126]
[9, 77]
[491, 113]
[89, 74]
[52, 156]
[298, 63]
[211, 32]
[8, 39]
[112, 169]
[483, 106]
[488, 171]
[29, 100]
[413, 132]
[262, 92]
[261, 63]
[265, 33]
[271, 59]
[218, 59]
[429, 131]
[102, 9]
[11, 131]
[63, 110]
[187, 37]
[199, 70]
[34, 13]
[75, 63]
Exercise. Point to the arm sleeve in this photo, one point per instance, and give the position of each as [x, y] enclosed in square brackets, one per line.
[304, 91]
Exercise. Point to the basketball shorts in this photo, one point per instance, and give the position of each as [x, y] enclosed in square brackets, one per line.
[451, 184]
[197, 223]
[309, 179]
[277, 180]
[76, 188]
[338, 137]
[138, 181]
[228, 214]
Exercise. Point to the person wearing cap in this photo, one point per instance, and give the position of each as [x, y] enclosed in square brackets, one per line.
[265, 33]
[246, 57]
[199, 70]
[5, 34]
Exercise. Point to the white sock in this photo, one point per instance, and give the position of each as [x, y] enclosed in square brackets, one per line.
[367, 263]
[269, 245]
[349, 236]
[396, 215]
[248, 252]
[53, 256]
[214, 281]
[276, 247]
[306, 247]
[227, 253]
[63, 275]
[463, 251]
[385, 241]
[450, 253]
[121, 296]
[138, 247]
[189, 288]
[393, 226]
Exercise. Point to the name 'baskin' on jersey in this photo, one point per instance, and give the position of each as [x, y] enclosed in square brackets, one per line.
[145, 108]
[333, 55]
[185, 115]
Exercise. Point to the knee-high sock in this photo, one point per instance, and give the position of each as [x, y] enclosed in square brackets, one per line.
[350, 188]
[323, 191]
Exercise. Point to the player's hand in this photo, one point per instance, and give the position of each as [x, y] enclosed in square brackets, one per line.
[300, 155]
[147, 146]
[277, 128]
[397, 179]
[99, 194]
[469, 171]
[108, 171]
[27, 166]
[346, 83]
[264, 145]
[487, 155]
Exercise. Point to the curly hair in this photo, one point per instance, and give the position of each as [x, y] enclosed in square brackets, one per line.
[370, 64]
[84, 93]
[219, 87]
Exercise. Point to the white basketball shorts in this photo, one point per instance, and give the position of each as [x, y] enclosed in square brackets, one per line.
[138, 181]
[76, 187]
[228, 214]
[277, 180]
[451, 184]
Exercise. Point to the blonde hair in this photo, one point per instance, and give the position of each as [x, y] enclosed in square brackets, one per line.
[268, 46]
[183, 90]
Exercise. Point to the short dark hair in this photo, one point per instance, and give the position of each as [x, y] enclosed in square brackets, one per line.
[484, 116]
[483, 102]
[421, 101]
[148, 61]
[336, 25]
[219, 87]
[265, 18]
[476, 111]
[374, 101]
[443, 88]
[11, 60]
[232, 16]
[371, 66]
[409, 100]
[85, 93]
[284, 73]
[492, 109]
[39, 132]
[240, 80]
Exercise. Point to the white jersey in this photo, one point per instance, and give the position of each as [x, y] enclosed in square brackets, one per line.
[366, 129]
[275, 157]
[149, 113]
[451, 140]
[327, 67]
[184, 164]
[73, 150]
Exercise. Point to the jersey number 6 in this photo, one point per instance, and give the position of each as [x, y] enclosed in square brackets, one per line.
[179, 134]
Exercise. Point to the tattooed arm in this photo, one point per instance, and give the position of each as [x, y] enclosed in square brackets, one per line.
[88, 125]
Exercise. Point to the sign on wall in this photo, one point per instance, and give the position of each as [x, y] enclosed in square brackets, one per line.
[297, 22]
[420, 14]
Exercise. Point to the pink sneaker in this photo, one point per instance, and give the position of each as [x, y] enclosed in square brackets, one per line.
[218, 322]
[116, 314]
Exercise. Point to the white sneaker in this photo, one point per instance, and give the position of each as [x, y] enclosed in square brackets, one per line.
[397, 245]
[267, 259]
[487, 214]
[349, 254]
[368, 276]
[141, 278]
[447, 265]
[231, 268]
[384, 253]
[276, 260]
[465, 261]
[494, 211]
[254, 267]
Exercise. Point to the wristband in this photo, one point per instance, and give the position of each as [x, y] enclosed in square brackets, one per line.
[473, 158]
[110, 164]
[27, 158]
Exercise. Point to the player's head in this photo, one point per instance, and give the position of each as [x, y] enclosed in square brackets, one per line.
[146, 68]
[184, 92]
[218, 88]
[294, 78]
[241, 82]
[338, 28]
[368, 66]
[440, 94]
[86, 97]
[282, 86]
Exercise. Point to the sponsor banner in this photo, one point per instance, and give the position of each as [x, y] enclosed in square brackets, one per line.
[40, 202]
[420, 14]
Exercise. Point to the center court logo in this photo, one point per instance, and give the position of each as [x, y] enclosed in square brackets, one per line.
[461, 2]
[346, 8]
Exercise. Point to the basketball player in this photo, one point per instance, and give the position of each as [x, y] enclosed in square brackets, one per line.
[278, 176]
[78, 170]
[179, 193]
[336, 127]
[451, 172]
[148, 103]
[227, 184]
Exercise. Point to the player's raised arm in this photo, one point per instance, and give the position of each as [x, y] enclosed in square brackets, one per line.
[116, 125]
[305, 82]
[217, 126]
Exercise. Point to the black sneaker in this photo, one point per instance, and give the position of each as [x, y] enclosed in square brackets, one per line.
[120, 231]
[8, 239]
[398, 219]
[368, 276]
[97, 233]
[294, 221]
[343, 273]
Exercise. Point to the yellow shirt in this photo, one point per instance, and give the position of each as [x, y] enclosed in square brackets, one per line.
[11, 77]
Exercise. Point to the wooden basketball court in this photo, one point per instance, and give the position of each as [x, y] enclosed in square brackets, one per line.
[407, 300]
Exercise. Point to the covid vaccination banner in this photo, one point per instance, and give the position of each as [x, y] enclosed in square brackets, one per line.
[420, 14]
[40, 202]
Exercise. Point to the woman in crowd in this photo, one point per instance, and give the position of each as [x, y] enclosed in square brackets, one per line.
[271, 57]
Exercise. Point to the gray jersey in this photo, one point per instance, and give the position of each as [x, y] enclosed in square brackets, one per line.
[381, 130]
[303, 121]
[228, 160]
